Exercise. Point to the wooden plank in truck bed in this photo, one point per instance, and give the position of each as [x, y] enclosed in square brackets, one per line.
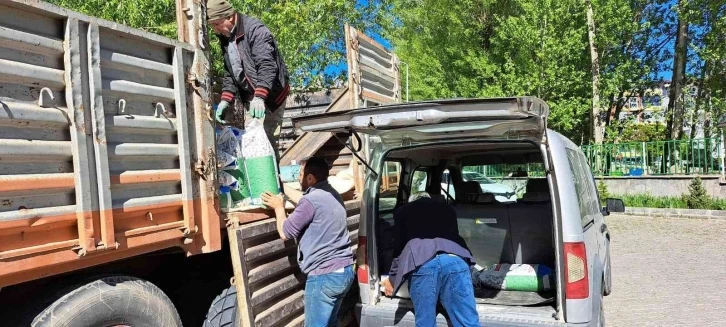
[308, 143]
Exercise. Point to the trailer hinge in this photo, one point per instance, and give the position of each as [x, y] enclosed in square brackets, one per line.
[82, 251]
[190, 232]
[102, 246]
[200, 169]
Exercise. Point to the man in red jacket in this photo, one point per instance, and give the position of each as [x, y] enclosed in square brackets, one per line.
[255, 73]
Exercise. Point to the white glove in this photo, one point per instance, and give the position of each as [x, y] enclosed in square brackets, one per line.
[257, 108]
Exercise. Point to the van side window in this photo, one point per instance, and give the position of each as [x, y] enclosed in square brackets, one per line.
[389, 185]
[594, 200]
[585, 197]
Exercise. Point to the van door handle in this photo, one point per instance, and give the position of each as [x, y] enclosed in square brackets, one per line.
[603, 228]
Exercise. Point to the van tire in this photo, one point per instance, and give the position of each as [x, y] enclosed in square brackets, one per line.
[223, 311]
[601, 321]
[608, 285]
[109, 301]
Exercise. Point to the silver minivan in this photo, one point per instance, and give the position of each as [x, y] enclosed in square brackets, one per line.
[557, 220]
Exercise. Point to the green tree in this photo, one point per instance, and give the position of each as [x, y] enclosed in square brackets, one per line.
[632, 38]
[489, 48]
[697, 197]
[628, 131]
[602, 189]
[309, 33]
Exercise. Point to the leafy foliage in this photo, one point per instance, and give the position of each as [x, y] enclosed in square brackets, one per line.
[697, 197]
[629, 131]
[602, 189]
[157, 16]
[649, 201]
[484, 48]
[490, 48]
[309, 33]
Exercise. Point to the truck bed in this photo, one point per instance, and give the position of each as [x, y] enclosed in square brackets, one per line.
[103, 154]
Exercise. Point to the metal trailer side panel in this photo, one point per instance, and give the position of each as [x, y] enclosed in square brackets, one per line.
[99, 144]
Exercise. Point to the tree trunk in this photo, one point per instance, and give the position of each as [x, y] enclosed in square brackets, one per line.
[596, 126]
[675, 103]
[674, 127]
[700, 95]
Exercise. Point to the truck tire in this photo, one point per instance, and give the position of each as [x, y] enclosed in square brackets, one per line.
[111, 301]
[223, 311]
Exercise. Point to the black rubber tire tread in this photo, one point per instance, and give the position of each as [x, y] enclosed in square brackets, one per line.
[601, 319]
[608, 285]
[223, 311]
[108, 301]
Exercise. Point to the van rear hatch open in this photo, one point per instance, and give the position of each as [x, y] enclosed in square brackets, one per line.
[428, 124]
[500, 118]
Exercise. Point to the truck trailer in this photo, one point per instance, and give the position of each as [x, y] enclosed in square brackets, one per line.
[108, 178]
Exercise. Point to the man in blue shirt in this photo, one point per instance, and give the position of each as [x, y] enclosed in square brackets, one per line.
[429, 251]
[319, 225]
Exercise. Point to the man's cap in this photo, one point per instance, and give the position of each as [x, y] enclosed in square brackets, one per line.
[217, 9]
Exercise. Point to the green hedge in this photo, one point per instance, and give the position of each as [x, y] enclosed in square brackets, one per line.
[649, 201]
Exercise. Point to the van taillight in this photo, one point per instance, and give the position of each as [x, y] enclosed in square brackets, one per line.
[577, 283]
[362, 260]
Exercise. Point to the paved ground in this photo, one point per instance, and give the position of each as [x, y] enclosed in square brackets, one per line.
[667, 272]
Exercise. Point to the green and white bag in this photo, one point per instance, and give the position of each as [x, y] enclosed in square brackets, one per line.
[259, 162]
[515, 277]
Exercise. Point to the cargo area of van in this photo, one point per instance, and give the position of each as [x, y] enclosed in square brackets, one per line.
[504, 210]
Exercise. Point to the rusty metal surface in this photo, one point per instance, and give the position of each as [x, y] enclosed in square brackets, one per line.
[373, 71]
[101, 134]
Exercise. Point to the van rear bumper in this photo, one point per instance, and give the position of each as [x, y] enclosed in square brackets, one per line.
[387, 315]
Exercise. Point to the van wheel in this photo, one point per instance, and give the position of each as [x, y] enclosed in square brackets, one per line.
[223, 311]
[608, 287]
[111, 301]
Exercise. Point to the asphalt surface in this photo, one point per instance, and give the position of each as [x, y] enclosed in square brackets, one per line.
[667, 272]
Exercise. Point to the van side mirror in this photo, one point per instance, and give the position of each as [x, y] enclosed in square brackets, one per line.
[614, 205]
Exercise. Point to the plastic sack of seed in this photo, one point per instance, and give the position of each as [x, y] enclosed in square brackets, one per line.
[226, 161]
[234, 185]
[227, 179]
[515, 277]
[229, 141]
[259, 162]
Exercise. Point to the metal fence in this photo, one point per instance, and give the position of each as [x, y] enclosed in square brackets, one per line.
[509, 170]
[675, 157]
[682, 157]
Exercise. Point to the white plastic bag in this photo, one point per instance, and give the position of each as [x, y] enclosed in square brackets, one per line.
[225, 179]
[226, 161]
[254, 141]
[229, 140]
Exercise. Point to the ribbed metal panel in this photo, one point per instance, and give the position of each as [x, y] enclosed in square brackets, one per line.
[35, 145]
[373, 71]
[95, 130]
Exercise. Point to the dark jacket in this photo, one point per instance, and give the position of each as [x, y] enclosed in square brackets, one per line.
[421, 230]
[265, 73]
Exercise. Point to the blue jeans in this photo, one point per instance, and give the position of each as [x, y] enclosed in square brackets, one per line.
[323, 296]
[446, 278]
